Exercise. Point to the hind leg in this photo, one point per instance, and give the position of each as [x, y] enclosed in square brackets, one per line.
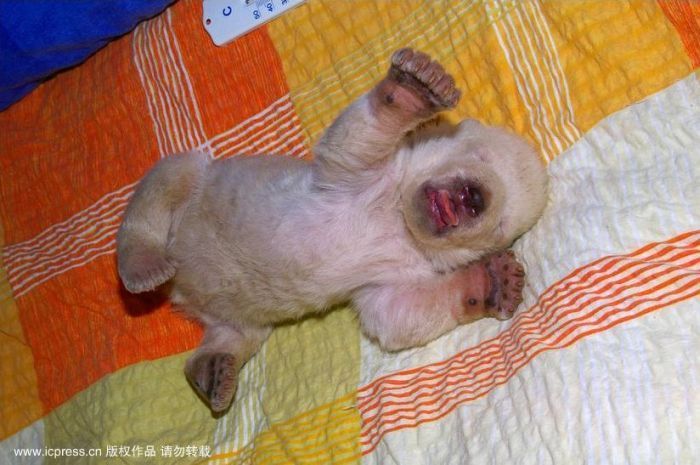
[152, 215]
[213, 368]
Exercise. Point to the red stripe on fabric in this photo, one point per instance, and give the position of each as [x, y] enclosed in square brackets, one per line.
[373, 441]
[525, 316]
[469, 368]
[373, 444]
[528, 315]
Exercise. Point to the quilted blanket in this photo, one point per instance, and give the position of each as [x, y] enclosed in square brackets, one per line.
[600, 363]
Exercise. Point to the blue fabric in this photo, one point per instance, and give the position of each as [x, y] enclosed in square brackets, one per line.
[40, 37]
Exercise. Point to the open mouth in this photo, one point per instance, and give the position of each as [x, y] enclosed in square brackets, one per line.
[448, 207]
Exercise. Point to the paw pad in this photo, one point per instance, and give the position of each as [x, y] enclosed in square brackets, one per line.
[214, 376]
[425, 75]
[507, 280]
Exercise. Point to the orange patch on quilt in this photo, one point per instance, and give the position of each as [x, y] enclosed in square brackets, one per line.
[77, 137]
[232, 82]
[685, 17]
[75, 146]
[82, 325]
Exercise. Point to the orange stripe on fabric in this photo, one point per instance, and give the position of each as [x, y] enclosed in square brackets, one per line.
[475, 375]
[420, 416]
[369, 446]
[434, 397]
[444, 367]
[581, 273]
[454, 369]
[685, 17]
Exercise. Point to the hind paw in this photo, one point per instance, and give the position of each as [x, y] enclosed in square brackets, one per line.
[145, 271]
[215, 378]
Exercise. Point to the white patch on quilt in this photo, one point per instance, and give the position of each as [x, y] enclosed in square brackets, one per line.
[608, 399]
[30, 437]
[626, 395]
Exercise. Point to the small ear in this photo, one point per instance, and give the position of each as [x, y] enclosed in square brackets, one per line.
[470, 124]
[471, 121]
[501, 229]
[434, 128]
[483, 154]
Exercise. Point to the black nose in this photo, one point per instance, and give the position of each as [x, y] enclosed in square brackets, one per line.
[473, 200]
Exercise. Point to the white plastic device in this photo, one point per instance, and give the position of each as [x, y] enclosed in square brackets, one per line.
[225, 20]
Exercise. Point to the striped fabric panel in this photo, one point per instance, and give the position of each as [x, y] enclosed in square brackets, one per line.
[74, 242]
[526, 41]
[246, 419]
[275, 130]
[171, 101]
[622, 396]
[591, 299]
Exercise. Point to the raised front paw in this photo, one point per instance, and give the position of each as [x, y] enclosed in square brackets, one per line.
[507, 278]
[426, 78]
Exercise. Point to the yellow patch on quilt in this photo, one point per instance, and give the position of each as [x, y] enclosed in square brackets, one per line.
[547, 70]
[312, 369]
[614, 53]
[322, 41]
[311, 363]
[456, 33]
[19, 402]
[329, 433]
[147, 404]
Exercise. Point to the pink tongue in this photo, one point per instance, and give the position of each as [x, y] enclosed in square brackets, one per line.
[446, 208]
